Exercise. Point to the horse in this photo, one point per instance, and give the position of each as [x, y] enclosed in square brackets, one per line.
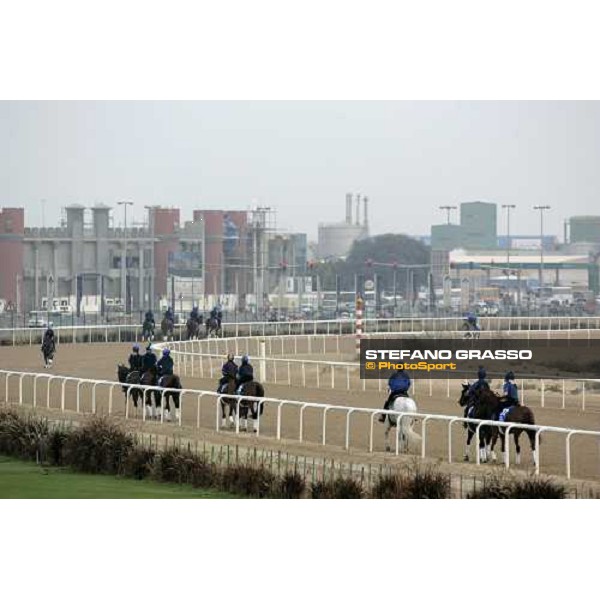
[213, 327]
[477, 410]
[193, 329]
[172, 382]
[167, 326]
[249, 391]
[48, 350]
[472, 331]
[487, 406]
[401, 404]
[229, 388]
[516, 414]
[125, 375]
[148, 331]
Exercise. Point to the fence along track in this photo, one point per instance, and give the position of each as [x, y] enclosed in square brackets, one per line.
[55, 393]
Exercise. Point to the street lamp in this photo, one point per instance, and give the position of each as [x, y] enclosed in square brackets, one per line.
[508, 208]
[448, 208]
[541, 208]
[124, 290]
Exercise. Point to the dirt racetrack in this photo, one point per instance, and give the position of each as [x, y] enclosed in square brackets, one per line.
[99, 361]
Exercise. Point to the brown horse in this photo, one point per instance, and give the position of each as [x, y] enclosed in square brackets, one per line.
[248, 403]
[517, 414]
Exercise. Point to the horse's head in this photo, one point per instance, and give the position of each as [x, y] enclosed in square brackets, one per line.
[122, 372]
[465, 395]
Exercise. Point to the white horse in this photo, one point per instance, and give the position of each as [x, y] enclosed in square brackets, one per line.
[401, 404]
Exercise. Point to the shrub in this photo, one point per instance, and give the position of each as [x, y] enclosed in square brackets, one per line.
[100, 446]
[177, 466]
[504, 488]
[256, 482]
[422, 485]
[138, 463]
[22, 437]
[291, 485]
[343, 488]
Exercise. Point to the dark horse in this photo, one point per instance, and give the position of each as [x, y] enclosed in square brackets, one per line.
[125, 375]
[213, 327]
[48, 350]
[492, 404]
[167, 326]
[172, 382]
[148, 331]
[193, 329]
[477, 410]
[250, 391]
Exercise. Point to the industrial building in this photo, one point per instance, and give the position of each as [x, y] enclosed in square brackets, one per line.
[335, 239]
[87, 265]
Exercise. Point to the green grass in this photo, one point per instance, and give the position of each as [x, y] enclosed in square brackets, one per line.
[19, 479]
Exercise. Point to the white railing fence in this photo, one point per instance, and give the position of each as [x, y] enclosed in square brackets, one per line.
[118, 333]
[547, 392]
[57, 396]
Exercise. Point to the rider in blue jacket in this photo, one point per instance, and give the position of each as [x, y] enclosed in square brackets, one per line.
[398, 384]
[149, 317]
[511, 392]
[246, 371]
[149, 359]
[229, 370]
[165, 364]
[135, 359]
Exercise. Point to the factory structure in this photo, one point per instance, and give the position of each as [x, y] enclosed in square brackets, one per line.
[472, 251]
[336, 239]
[236, 258]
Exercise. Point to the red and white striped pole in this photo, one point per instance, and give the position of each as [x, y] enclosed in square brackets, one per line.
[358, 323]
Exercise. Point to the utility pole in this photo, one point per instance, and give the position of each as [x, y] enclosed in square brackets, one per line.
[508, 208]
[541, 208]
[448, 208]
[124, 288]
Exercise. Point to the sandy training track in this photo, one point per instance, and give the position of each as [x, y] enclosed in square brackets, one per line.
[99, 361]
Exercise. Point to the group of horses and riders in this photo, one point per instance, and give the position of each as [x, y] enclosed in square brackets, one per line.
[212, 324]
[482, 403]
[236, 382]
[146, 370]
[479, 401]
[194, 324]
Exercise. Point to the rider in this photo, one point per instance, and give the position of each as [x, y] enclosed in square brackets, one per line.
[195, 314]
[245, 372]
[149, 317]
[149, 359]
[229, 370]
[217, 315]
[135, 359]
[480, 384]
[471, 320]
[165, 364]
[511, 392]
[169, 314]
[398, 384]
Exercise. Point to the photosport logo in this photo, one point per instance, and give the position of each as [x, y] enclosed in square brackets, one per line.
[461, 359]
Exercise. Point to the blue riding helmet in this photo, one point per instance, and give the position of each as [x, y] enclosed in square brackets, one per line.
[166, 352]
[510, 375]
[245, 359]
[136, 347]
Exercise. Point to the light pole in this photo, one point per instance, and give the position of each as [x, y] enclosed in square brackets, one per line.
[541, 208]
[508, 208]
[124, 289]
[448, 208]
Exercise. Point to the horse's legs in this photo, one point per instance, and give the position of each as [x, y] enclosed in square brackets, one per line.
[470, 433]
[517, 435]
[494, 436]
[534, 450]
[482, 448]
[386, 435]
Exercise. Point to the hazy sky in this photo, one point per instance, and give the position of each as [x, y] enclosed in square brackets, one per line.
[302, 158]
